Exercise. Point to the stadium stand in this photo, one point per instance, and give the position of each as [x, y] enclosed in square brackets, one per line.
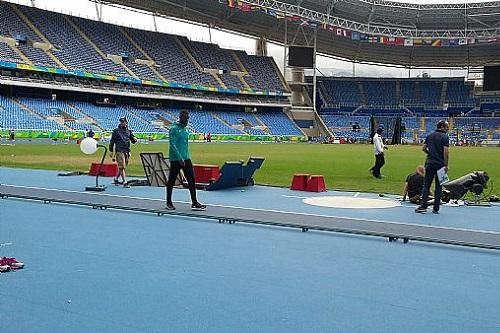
[72, 49]
[246, 120]
[211, 56]
[340, 93]
[262, 74]
[205, 122]
[107, 117]
[87, 45]
[279, 124]
[339, 121]
[409, 93]
[415, 94]
[111, 41]
[11, 25]
[8, 54]
[430, 93]
[79, 44]
[380, 93]
[162, 48]
[459, 94]
[13, 116]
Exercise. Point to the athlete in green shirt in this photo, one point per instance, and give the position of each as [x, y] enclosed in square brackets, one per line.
[180, 158]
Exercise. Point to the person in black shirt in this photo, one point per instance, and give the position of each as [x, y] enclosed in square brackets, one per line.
[413, 186]
[120, 141]
[436, 147]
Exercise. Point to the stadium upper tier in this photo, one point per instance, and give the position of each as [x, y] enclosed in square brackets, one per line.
[396, 96]
[42, 114]
[37, 37]
[413, 128]
[438, 35]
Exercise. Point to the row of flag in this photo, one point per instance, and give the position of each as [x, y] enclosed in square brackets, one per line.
[358, 36]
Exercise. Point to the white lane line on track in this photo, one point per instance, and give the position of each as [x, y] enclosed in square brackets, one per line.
[293, 196]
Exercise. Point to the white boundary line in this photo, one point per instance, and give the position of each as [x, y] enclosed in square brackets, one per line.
[293, 196]
[271, 210]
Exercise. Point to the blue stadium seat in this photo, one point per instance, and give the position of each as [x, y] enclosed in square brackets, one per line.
[12, 116]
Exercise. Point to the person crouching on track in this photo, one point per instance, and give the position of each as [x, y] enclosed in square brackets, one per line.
[180, 158]
[120, 142]
[413, 187]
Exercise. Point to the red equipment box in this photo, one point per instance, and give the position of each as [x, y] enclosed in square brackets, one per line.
[316, 183]
[107, 170]
[206, 173]
[299, 182]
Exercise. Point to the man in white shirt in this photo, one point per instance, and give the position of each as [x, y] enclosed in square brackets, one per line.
[378, 146]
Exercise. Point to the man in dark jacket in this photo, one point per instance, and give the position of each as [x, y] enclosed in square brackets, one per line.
[436, 147]
[120, 143]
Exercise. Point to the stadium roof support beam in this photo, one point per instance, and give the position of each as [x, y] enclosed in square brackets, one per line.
[466, 23]
[154, 22]
[370, 16]
[98, 11]
[389, 20]
[375, 29]
[404, 5]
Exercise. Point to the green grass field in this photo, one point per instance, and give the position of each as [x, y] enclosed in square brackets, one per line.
[344, 166]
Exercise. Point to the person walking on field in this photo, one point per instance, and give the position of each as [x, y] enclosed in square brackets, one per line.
[120, 142]
[378, 146]
[436, 147]
[180, 159]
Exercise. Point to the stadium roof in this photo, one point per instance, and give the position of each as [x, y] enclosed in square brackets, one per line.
[380, 31]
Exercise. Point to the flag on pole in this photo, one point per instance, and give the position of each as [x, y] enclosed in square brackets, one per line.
[408, 42]
[245, 7]
[436, 42]
[313, 24]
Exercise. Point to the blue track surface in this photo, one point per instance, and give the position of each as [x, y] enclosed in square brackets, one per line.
[106, 271]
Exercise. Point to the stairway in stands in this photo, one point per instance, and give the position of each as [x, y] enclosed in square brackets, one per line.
[91, 43]
[48, 46]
